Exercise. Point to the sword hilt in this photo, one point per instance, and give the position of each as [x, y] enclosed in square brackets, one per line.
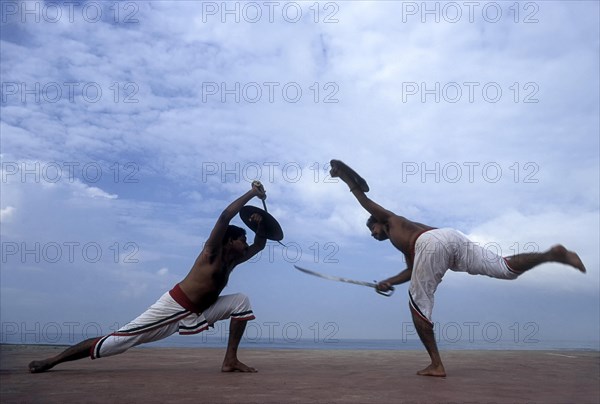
[259, 185]
[382, 293]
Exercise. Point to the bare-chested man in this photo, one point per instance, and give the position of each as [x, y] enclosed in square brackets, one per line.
[192, 305]
[430, 252]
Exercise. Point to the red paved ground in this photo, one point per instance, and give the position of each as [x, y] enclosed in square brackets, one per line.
[158, 375]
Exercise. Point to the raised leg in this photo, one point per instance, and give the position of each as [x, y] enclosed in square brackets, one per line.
[231, 362]
[78, 351]
[425, 331]
[558, 253]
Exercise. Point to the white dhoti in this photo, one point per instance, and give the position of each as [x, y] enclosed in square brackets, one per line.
[172, 313]
[438, 250]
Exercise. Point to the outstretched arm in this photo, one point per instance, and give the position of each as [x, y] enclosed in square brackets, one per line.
[218, 232]
[402, 277]
[259, 241]
[380, 213]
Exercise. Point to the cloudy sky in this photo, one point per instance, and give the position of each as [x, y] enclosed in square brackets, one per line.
[128, 126]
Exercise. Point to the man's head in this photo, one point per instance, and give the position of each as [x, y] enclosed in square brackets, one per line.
[235, 237]
[377, 229]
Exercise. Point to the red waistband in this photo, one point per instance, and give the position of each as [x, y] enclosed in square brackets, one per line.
[181, 298]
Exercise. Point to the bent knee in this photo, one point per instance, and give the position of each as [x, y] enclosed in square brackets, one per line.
[242, 302]
[241, 298]
[242, 309]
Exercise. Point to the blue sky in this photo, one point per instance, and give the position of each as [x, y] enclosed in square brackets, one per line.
[127, 127]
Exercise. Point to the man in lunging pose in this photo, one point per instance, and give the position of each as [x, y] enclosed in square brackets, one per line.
[430, 252]
[193, 304]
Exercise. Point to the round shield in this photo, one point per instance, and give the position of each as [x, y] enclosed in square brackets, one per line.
[271, 228]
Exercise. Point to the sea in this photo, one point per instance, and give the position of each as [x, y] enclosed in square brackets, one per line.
[275, 343]
[382, 344]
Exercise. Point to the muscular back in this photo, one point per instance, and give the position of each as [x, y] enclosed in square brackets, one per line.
[403, 233]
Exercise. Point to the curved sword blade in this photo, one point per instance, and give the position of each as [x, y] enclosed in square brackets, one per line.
[335, 278]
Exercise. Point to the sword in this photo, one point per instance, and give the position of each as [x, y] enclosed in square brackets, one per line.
[340, 279]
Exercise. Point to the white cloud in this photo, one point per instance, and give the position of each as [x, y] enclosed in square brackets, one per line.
[6, 213]
[173, 132]
[95, 192]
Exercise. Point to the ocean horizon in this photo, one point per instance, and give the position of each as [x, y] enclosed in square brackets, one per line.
[207, 341]
[378, 344]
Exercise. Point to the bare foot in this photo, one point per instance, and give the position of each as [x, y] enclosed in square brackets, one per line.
[431, 370]
[40, 366]
[237, 366]
[562, 255]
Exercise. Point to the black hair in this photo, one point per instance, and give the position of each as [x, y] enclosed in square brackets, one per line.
[233, 233]
[371, 221]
